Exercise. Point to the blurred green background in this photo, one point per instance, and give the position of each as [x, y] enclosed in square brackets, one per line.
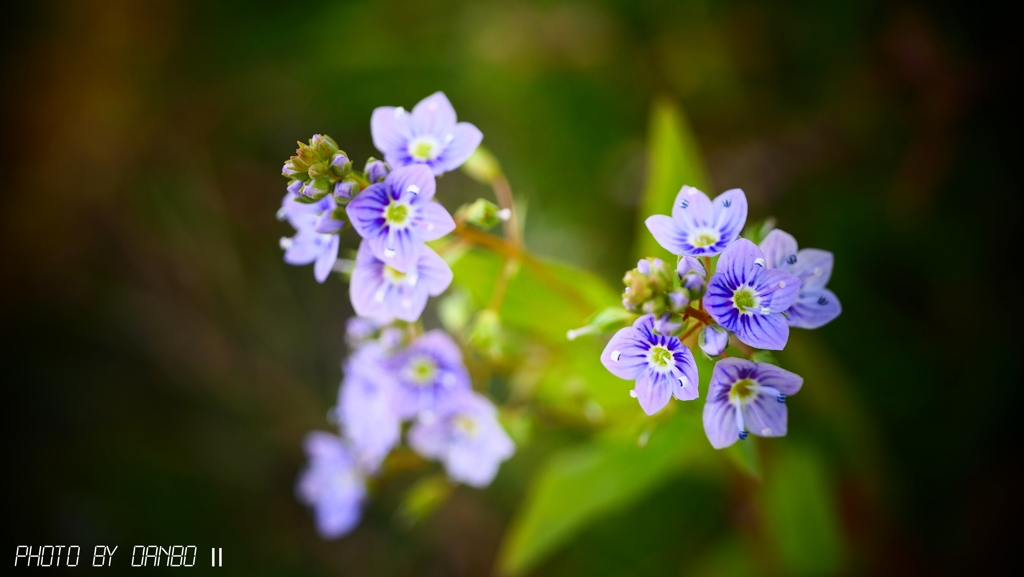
[162, 363]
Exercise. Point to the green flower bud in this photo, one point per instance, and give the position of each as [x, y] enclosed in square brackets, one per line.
[320, 170]
[306, 156]
[482, 213]
[318, 188]
[324, 146]
[482, 166]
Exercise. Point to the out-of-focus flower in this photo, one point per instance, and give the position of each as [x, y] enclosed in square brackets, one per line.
[430, 135]
[332, 485]
[308, 245]
[466, 437]
[398, 215]
[745, 396]
[385, 293]
[661, 365]
[748, 298]
[366, 407]
[698, 226]
[376, 170]
[429, 373]
[815, 305]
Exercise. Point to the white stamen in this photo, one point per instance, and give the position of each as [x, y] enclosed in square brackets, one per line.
[739, 419]
[413, 189]
[286, 243]
[399, 112]
[389, 252]
[505, 214]
[615, 355]
[759, 261]
[632, 393]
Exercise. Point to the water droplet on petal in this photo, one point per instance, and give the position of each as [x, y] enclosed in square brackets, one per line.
[505, 214]
[379, 295]
[389, 252]
[632, 393]
[399, 112]
[817, 271]
[286, 243]
[765, 310]
[449, 137]
[430, 226]
[615, 355]
[413, 189]
[766, 431]
[281, 213]
[782, 284]
[759, 261]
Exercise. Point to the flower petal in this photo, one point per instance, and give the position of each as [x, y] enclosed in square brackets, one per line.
[779, 247]
[433, 115]
[415, 179]
[465, 139]
[688, 368]
[730, 213]
[428, 439]
[814, 309]
[690, 264]
[692, 210]
[304, 248]
[327, 257]
[765, 416]
[390, 129]
[434, 272]
[653, 390]
[433, 221]
[719, 414]
[768, 332]
[814, 267]
[625, 356]
[777, 289]
[778, 378]
[739, 262]
[668, 234]
[366, 211]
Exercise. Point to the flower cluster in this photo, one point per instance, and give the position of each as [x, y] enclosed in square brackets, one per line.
[396, 374]
[750, 295]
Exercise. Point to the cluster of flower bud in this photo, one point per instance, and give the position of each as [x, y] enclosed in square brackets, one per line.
[653, 288]
[318, 169]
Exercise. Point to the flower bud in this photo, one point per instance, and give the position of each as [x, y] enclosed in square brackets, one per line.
[688, 265]
[713, 340]
[330, 221]
[319, 170]
[324, 146]
[678, 300]
[604, 321]
[694, 286]
[295, 187]
[646, 286]
[482, 166]
[317, 189]
[376, 170]
[292, 169]
[340, 165]
[481, 212]
[306, 156]
[668, 323]
[343, 190]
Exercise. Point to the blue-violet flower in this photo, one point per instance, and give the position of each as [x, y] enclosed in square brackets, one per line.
[384, 293]
[698, 226]
[429, 373]
[332, 485]
[815, 305]
[745, 396]
[430, 135]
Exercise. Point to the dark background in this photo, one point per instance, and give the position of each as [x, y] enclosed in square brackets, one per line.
[162, 364]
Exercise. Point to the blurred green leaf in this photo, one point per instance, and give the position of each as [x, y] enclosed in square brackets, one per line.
[544, 298]
[580, 485]
[673, 159]
[800, 512]
[745, 456]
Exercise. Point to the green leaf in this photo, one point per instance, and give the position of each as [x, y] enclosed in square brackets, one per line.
[673, 159]
[580, 485]
[422, 499]
[544, 298]
[800, 512]
[744, 456]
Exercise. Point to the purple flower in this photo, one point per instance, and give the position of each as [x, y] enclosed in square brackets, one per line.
[376, 170]
[748, 298]
[661, 365]
[308, 245]
[689, 265]
[698, 226]
[398, 215]
[366, 407]
[747, 396]
[384, 293]
[332, 485]
[815, 305]
[429, 135]
[713, 340]
[429, 373]
[466, 437]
